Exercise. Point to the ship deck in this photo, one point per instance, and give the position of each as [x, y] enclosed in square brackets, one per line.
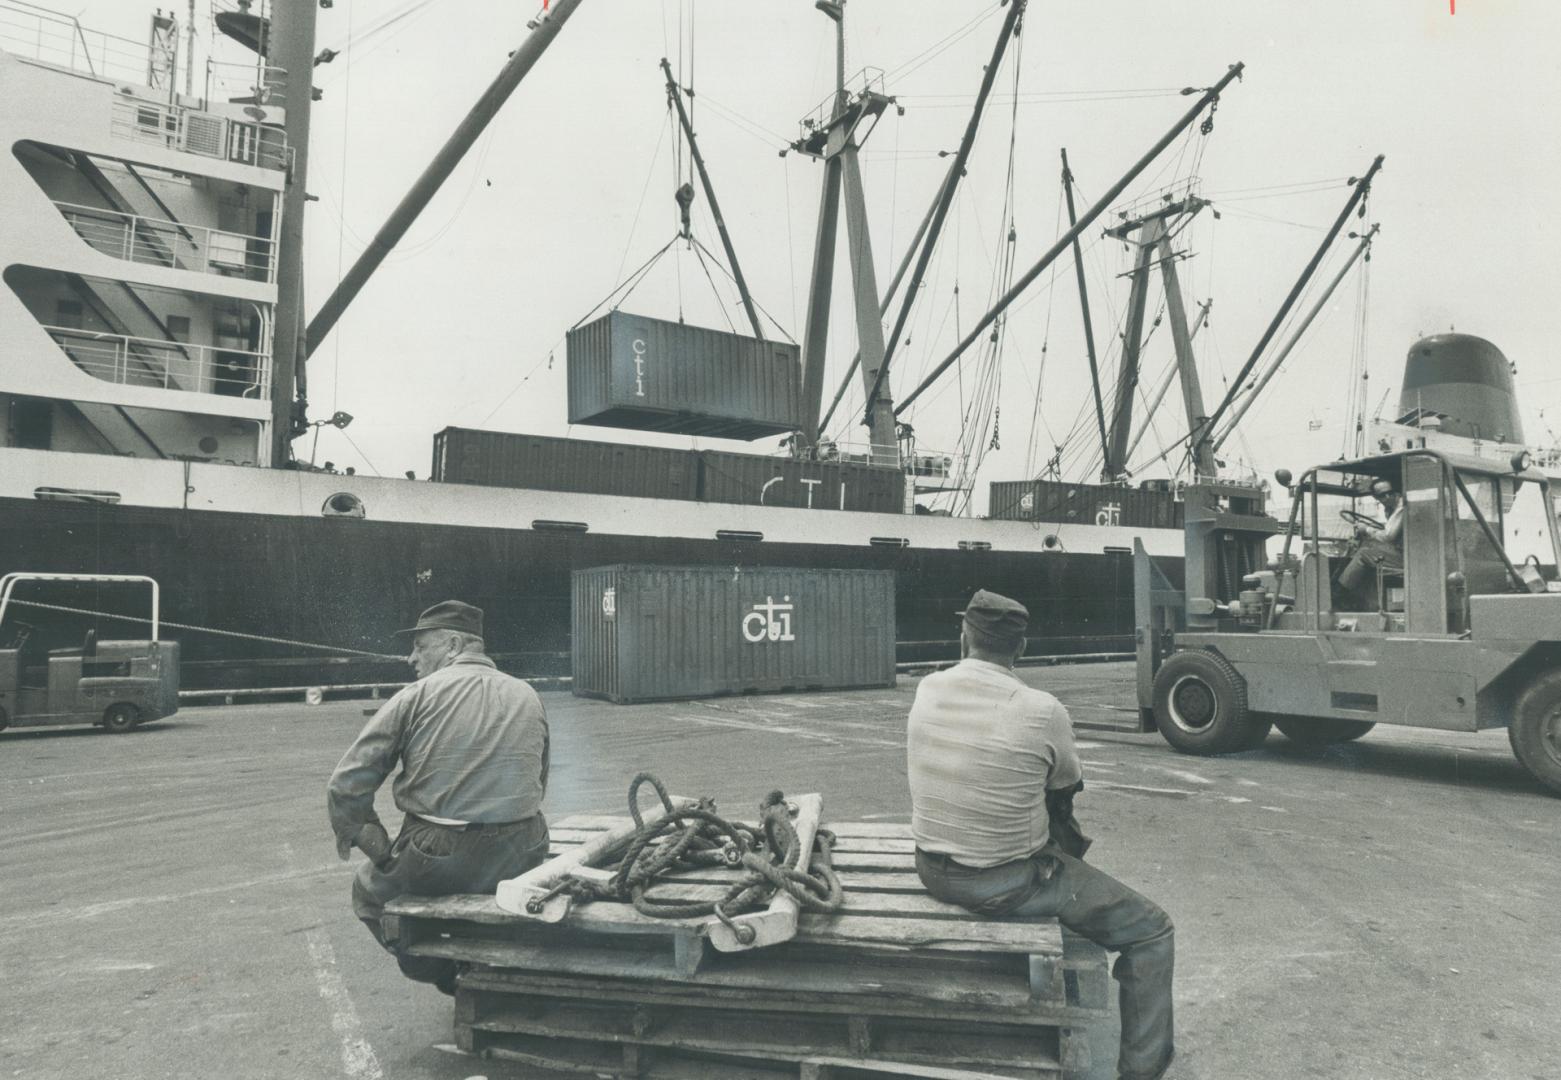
[172, 904]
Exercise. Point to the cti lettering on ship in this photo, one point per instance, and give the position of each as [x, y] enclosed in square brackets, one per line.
[639, 367]
[769, 621]
[610, 603]
[1109, 514]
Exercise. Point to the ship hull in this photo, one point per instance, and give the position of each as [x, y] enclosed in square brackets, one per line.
[309, 580]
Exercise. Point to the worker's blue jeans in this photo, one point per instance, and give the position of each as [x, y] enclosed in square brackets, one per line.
[1094, 905]
[437, 860]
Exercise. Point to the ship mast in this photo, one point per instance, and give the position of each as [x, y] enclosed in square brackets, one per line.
[289, 41]
[835, 141]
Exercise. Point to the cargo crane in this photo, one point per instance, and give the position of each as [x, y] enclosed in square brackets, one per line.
[1444, 614]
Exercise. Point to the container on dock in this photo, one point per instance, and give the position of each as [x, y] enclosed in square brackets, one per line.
[649, 633]
[1145, 507]
[502, 459]
[631, 371]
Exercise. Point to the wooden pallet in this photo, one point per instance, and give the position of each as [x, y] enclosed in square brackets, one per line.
[894, 978]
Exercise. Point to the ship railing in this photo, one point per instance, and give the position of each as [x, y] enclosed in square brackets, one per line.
[196, 132]
[171, 365]
[867, 82]
[59, 39]
[179, 246]
[860, 453]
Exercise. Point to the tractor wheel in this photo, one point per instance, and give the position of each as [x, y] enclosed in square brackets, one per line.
[1200, 705]
[120, 718]
[1535, 731]
[1322, 730]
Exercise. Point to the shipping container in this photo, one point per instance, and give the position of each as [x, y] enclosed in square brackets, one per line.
[812, 485]
[631, 371]
[501, 459]
[1085, 504]
[649, 633]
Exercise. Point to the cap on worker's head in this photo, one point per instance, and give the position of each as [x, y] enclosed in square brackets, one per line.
[996, 615]
[1382, 486]
[449, 615]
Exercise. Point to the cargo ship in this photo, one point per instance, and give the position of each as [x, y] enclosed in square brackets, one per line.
[152, 348]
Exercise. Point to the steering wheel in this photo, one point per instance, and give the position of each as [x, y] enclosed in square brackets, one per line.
[1365, 520]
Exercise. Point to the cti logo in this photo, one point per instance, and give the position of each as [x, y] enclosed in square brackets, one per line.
[1109, 514]
[769, 621]
[639, 367]
[610, 603]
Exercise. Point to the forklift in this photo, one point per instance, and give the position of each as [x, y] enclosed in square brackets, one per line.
[1416, 587]
[114, 684]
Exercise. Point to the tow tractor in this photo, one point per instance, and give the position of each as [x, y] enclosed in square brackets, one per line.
[1446, 615]
[117, 684]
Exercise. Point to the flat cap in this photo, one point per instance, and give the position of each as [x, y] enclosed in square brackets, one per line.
[449, 615]
[997, 615]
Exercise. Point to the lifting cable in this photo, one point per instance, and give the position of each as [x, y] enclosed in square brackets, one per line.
[210, 630]
[696, 837]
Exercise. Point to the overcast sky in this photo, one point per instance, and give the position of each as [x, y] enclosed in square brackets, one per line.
[545, 216]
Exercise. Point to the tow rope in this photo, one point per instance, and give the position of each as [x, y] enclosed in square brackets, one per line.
[697, 837]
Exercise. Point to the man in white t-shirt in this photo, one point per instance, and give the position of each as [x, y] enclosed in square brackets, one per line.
[983, 752]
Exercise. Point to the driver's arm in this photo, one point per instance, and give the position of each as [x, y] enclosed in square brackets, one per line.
[1394, 532]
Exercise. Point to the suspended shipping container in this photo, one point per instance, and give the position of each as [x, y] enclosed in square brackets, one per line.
[630, 371]
[1086, 504]
[499, 459]
[648, 633]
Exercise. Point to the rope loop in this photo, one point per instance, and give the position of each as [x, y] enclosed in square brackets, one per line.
[698, 838]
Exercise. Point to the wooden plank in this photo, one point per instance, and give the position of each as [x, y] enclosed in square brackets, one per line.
[910, 933]
[973, 996]
[534, 885]
[766, 1034]
[778, 921]
[840, 1068]
[563, 838]
[956, 933]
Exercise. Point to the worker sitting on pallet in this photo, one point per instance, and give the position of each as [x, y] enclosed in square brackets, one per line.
[992, 770]
[472, 744]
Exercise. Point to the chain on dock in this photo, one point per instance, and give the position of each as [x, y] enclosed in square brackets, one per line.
[697, 836]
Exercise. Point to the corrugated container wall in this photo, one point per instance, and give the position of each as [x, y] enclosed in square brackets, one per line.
[499, 459]
[648, 633]
[1084, 504]
[630, 371]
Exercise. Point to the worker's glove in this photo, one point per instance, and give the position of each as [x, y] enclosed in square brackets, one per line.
[373, 841]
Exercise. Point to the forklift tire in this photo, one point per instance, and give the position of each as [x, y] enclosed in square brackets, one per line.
[1322, 730]
[120, 718]
[1535, 731]
[1200, 705]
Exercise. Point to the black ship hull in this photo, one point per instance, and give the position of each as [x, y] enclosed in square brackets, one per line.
[347, 584]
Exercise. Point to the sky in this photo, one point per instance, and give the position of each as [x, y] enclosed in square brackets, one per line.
[571, 189]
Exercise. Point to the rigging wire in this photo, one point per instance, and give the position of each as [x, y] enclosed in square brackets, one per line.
[937, 48]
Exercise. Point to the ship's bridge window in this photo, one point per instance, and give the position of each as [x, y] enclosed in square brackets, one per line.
[343, 504]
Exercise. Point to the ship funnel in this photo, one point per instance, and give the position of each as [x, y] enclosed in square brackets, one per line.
[1463, 382]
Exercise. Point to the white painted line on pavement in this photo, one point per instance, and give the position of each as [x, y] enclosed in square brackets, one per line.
[357, 1056]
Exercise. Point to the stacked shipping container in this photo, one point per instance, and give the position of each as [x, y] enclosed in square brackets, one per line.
[1085, 504]
[500, 459]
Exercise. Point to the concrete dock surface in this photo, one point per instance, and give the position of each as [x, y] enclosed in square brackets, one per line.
[171, 904]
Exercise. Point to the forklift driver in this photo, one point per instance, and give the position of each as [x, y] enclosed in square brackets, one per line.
[1392, 504]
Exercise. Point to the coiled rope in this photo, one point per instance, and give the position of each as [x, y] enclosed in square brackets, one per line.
[696, 836]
